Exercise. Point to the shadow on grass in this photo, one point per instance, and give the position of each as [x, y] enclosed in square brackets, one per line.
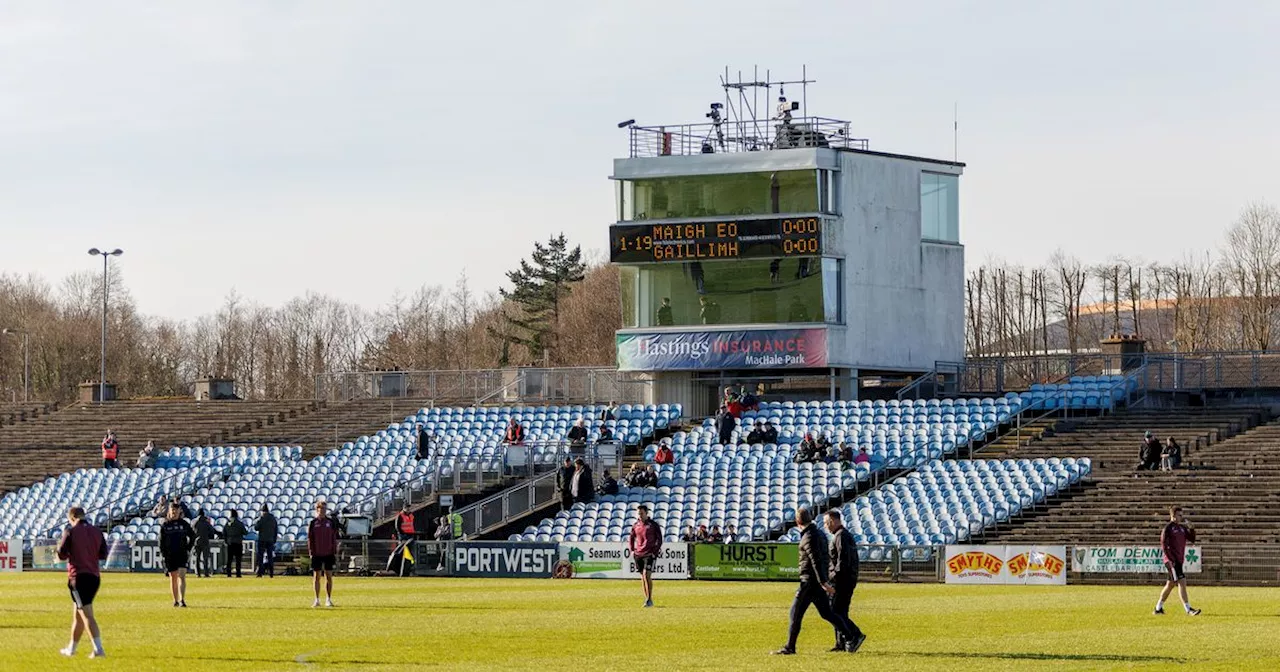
[327, 610]
[274, 661]
[1081, 657]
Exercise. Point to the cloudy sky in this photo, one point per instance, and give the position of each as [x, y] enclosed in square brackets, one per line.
[357, 148]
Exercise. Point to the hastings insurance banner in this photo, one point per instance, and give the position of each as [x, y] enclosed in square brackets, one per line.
[738, 349]
[746, 561]
[1006, 565]
[1129, 559]
[590, 560]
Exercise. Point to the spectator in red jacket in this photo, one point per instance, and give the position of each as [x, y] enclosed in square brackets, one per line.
[664, 455]
[645, 543]
[322, 546]
[515, 433]
[83, 547]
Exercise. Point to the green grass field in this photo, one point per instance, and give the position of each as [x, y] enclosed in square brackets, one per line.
[386, 624]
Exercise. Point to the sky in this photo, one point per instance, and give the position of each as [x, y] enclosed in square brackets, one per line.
[364, 148]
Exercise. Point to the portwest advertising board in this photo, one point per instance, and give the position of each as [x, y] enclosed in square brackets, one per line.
[145, 557]
[746, 561]
[1006, 565]
[1130, 559]
[603, 560]
[736, 349]
[10, 555]
[504, 560]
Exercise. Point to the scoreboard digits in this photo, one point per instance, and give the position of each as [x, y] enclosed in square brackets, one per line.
[730, 239]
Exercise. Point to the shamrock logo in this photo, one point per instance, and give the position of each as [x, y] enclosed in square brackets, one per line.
[1192, 556]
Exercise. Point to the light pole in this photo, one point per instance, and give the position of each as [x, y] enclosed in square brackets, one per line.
[26, 360]
[102, 374]
[1177, 365]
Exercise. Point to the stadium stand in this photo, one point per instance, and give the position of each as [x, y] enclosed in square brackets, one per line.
[15, 412]
[69, 438]
[334, 424]
[757, 488]
[467, 438]
[951, 501]
[1228, 485]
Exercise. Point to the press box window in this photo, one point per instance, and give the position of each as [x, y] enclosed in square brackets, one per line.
[940, 207]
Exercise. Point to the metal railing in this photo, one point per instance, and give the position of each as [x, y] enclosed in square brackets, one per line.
[526, 497]
[1164, 372]
[1135, 392]
[752, 135]
[586, 385]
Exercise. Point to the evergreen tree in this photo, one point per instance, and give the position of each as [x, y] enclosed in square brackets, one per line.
[538, 288]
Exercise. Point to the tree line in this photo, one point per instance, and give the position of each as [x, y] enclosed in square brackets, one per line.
[1224, 299]
[560, 310]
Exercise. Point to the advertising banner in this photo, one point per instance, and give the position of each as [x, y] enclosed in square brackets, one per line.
[746, 561]
[504, 560]
[10, 555]
[976, 564]
[1036, 565]
[737, 349]
[605, 560]
[1129, 559]
[145, 557]
[1007, 565]
[44, 555]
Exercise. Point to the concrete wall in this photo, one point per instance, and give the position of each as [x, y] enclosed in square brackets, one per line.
[904, 304]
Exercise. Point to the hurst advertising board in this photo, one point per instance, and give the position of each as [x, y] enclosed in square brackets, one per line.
[746, 561]
[1130, 559]
[605, 560]
[1006, 565]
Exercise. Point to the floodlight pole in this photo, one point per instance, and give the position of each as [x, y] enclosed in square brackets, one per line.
[102, 373]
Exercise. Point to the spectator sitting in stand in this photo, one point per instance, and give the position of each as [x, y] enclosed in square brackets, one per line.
[702, 533]
[577, 436]
[715, 536]
[161, 508]
[515, 433]
[147, 456]
[690, 535]
[770, 432]
[610, 412]
[1149, 455]
[729, 395]
[730, 534]
[186, 511]
[650, 477]
[1171, 456]
[608, 484]
[808, 450]
[757, 434]
[862, 457]
[846, 455]
[833, 453]
[635, 477]
[664, 455]
[606, 434]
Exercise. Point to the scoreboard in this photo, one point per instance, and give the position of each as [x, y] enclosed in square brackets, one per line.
[711, 240]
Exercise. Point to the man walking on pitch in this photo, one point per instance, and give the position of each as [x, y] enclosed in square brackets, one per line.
[268, 532]
[204, 533]
[1173, 542]
[814, 588]
[322, 546]
[645, 543]
[844, 577]
[176, 540]
[83, 547]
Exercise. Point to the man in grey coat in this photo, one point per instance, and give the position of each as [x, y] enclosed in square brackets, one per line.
[268, 533]
[204, 532]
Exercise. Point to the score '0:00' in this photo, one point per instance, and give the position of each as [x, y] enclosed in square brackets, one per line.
[809, 225]
[802, 246]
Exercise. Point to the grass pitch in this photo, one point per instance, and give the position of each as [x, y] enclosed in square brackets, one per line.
[460, 624]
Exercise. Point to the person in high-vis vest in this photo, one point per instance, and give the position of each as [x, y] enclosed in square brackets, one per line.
[404, 524]
[110, 451]
[455, 519]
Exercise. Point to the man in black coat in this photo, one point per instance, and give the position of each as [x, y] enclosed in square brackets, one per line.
[844, 577]
[814, 586]
[725, 424]
[564, 484]
[424, 443]
[582, 486]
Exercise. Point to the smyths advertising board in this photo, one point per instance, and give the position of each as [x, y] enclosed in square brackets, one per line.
[1007, 565]
[605, 560]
